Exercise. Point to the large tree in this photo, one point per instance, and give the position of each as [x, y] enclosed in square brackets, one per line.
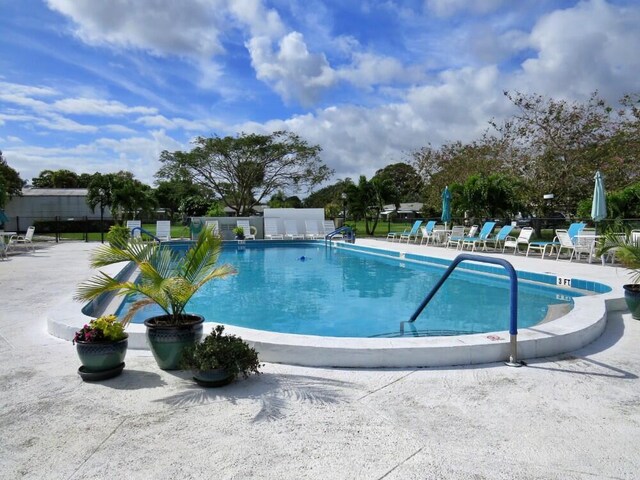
[366, 199]
[56, 179]
[406, 183]
[10, 182]
[245, 170]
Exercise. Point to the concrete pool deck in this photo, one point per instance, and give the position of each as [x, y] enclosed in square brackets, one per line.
[572, 416]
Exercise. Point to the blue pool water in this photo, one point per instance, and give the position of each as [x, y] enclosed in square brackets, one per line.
[330, 292]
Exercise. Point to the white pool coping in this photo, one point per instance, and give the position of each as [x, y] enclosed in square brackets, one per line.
[582, 325]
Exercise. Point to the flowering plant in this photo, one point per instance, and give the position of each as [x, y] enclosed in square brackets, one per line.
[102, 329]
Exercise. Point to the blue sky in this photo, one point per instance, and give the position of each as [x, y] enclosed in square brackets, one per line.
[92, 85]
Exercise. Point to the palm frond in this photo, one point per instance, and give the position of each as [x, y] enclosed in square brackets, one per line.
[137, 306]
[102, 283]
[136, 251]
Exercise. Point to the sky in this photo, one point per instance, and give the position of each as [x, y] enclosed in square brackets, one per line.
[107, 85]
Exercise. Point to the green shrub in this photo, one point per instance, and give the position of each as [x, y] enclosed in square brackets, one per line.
[118, 236]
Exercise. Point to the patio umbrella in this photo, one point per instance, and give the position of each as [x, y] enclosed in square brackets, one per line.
[446, 206]
[3, 216]
[599, 205]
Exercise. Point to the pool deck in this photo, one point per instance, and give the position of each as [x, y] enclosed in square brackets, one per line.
[572, 416]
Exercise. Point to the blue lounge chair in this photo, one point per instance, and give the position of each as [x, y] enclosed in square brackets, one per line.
[411, 233]
[427, 232]
[485, 232]
[541, 246]
[499, 239]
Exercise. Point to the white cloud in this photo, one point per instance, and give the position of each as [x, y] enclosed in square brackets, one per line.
[162, 27]
[447, 8]
[294, 72]
[582, 49]
[96, 106]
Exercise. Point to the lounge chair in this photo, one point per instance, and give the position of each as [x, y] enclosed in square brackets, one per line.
[246, 228]
[163, 230]
[485, 232]
[213, 225]
[311, 230]
[271, 229]
[412, 232]
[291, 230]
[426, 231]
[499, 239]
[523, 239]
[26, 240]
[330, 227]
[457, 234]
[456, 239]
[585, 243]
[137, 224]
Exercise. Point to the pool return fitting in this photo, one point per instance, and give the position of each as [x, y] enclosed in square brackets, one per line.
[513, 299]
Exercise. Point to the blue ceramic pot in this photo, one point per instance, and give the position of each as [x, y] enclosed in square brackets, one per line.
[167, 342]
[101, 356]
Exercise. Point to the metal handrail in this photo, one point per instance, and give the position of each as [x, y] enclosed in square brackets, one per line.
[350, 236]
[142, 230]
[513, 299]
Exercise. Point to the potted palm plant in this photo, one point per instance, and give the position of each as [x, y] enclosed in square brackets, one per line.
[629, 255]
[239, 233]
[169, 279]
[101, 346]
[219, 359]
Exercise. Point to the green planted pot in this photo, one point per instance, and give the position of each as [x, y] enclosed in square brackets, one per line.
[99, 357]
[218, 377]
[632, 297]
[167, 341]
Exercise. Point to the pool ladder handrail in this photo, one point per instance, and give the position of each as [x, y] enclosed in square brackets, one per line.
[146, 232]
[513, 299]
[349, 237]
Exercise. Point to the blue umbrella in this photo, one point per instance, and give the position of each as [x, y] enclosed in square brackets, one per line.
[446, 206]
[599, 205]
[3, 217]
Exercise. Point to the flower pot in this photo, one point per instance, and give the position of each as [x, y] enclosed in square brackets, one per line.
[167, 342]
[103, 358]
[632, 297]
[218, 377]
[239, 236]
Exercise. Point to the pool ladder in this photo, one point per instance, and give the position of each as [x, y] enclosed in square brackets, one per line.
[513, 299]
[347, 233]
[146, 232]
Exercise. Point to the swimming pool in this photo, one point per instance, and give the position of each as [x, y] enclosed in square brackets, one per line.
[308, 289]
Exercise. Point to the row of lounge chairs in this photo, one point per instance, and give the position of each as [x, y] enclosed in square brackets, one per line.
[313, 230]
[575, 241]
[162, 233]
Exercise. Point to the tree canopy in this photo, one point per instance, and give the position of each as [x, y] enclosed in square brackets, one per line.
[61, 179]
[245, 170]
[122, 193]
[10, 182]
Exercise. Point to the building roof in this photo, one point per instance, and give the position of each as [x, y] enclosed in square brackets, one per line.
[54, 192]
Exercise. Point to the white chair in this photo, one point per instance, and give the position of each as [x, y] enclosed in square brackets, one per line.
[137, 224]
[585, 243]
[246, 228]
[456, 236]
[213, 226]
[291, 230]
[311, 230]
[523, 239]
[163, 230]
[271, 229]
[330, 227]
[565, 243]
[26, 240]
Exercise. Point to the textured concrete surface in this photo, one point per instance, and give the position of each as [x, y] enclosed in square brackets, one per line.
[571, 417]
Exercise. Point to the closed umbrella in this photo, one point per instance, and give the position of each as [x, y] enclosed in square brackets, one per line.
[446, 206]
[3, 217]
[599, 205]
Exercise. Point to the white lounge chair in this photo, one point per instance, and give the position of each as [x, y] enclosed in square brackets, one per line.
[271, 229]
[330, 227]
[291, 230]
[456, 236]
[26, 240]
[311, 230]
[213, 226]
[523, 239]
[163, 230]
[137, 224]
[246, 228]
